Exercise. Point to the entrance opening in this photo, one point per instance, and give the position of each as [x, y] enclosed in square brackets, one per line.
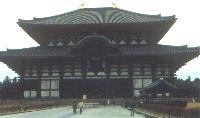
[98, 88]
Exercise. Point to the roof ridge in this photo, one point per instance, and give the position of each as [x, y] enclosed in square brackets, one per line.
[42, 18]
[158, 15]
[98, 8]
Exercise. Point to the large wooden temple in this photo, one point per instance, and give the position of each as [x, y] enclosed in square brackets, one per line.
[99, 52]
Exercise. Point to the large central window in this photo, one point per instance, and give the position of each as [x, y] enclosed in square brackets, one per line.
[50, 89]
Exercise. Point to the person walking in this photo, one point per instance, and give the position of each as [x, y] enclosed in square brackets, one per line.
[104, 103]
[74, 107]
[132, 107]
[80, 104]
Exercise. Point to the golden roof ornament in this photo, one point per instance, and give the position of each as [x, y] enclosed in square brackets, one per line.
[114, 5]
[81, 6]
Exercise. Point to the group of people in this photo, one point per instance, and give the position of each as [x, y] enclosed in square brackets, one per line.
[77, 105]
[131, 106]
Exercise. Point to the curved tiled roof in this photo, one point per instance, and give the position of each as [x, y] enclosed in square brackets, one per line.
[98, 16]
[36, 52]
[159, 85]
[157, 50]
[123, 51]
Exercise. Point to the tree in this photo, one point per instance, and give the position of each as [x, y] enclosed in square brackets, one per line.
[14, 80]
[188, 79]
[7, 81]
[196, 80]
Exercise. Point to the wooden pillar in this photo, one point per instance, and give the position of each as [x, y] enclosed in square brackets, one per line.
[39, 68]
[133, 83]
[61, 67]
[153, 72]
[22, 70]
[142, 73]
[130, 71]
[84, 68]
[130, 74]
[107, 71]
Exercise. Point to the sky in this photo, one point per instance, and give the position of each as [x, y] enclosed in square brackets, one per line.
[184, 32]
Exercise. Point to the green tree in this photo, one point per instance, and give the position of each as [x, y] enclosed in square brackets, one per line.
[188, 79]
[7, 81]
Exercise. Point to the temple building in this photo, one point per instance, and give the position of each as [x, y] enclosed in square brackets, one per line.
[98, 52]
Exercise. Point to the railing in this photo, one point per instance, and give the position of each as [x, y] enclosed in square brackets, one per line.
[13, 106]
[168, 111]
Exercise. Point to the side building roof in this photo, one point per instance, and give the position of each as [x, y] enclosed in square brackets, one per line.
[159, 86]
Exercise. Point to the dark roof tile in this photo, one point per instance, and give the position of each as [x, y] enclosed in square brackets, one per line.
[98, 16]
[124, 51]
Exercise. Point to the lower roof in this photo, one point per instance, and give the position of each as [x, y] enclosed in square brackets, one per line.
[176, 55]
[159, 50]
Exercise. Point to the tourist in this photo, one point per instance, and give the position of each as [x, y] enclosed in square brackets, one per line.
[80, 104]
[74, 107]
[132, 107]
[108, 102]
[104, 103]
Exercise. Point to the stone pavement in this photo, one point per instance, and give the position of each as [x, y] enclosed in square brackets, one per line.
[66, 112]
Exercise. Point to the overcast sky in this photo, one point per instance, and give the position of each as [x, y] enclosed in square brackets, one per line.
[184, 32]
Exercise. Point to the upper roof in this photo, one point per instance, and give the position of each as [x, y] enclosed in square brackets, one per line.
[105, 15]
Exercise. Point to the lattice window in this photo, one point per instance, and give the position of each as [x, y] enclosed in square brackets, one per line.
[30, 94]
[45, 84]
[45, 94]
[26, 94]
[146, 82]
[137, 83]
[49, 88]
[54, 84]
[54, 94]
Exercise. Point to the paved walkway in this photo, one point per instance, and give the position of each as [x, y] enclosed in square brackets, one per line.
[66, 112]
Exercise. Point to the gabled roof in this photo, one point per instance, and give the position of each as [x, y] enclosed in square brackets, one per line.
[159, 86]
[106, 15]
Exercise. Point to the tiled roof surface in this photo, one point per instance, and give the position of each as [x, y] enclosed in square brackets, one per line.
[159, 85]
[35, 52]
[98, 16]
[158, 50]
[124, 51]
